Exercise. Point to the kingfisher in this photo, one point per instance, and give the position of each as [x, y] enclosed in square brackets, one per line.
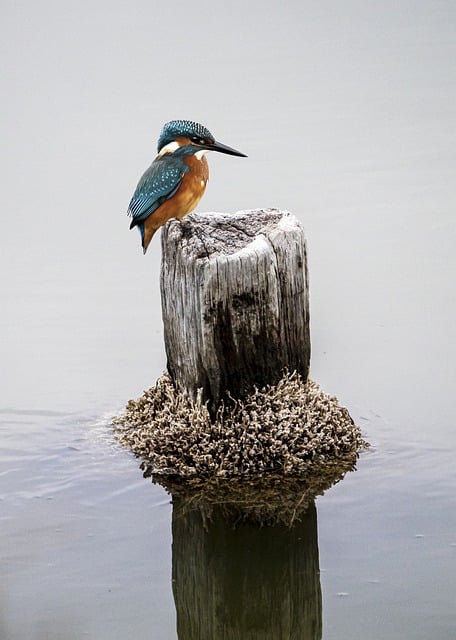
[176, 180]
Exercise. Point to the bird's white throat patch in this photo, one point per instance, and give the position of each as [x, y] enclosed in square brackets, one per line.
[199, 154]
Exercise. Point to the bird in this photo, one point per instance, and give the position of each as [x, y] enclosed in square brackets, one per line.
[176, 180]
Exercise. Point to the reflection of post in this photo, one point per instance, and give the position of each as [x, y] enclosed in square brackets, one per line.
[245, 583]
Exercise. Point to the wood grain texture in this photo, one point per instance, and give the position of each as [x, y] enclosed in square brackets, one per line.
[235, 303]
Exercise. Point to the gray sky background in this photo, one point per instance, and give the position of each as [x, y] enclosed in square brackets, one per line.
[311, 91]
[347, 113]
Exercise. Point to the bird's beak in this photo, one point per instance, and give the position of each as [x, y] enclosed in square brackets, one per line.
[223, 148]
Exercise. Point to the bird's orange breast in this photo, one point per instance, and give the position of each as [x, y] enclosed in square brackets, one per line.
[193, 186]
[184, 200]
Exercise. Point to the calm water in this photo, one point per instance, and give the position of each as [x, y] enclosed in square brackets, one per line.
[348, 116]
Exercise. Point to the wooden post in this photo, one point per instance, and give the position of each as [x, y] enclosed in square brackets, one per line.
[235, 304]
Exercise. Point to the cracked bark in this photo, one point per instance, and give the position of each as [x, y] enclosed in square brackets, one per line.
[235, 304]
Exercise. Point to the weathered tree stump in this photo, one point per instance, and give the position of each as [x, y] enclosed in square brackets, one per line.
[235, 302]
[236, 315]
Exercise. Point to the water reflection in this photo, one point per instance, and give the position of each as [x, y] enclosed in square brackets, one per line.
[241, 581]
[245, 554]
[268, 499]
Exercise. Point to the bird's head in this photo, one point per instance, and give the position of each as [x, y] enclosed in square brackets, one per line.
[185, 133]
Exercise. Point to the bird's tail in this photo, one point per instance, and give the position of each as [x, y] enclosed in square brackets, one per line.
[140, 227]
[146, 235]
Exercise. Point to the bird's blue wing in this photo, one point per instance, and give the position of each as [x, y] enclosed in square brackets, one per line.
[160, 182]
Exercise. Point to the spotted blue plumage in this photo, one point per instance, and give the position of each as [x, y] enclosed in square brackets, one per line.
[160, 182]
[185, 129]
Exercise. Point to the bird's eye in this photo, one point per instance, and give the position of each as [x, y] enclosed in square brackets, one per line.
[198, 140]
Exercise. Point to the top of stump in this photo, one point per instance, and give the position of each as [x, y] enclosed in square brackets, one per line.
[207, 235]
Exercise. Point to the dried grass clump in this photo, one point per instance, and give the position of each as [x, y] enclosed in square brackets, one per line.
[284, 428]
